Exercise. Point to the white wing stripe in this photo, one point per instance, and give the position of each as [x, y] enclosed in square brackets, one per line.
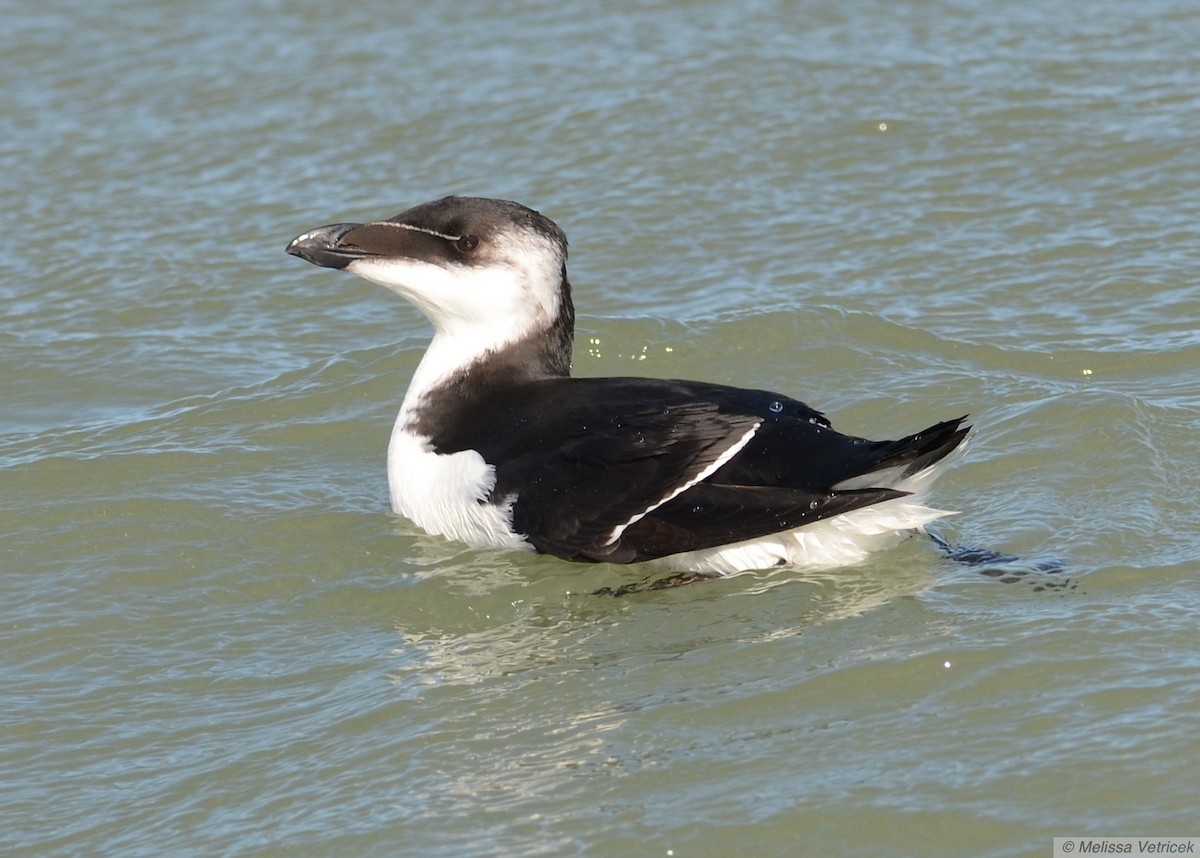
[729, 453]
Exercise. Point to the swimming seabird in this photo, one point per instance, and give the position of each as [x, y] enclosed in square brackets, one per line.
[497, 446]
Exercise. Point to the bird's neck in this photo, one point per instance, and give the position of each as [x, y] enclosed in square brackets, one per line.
[463, 363]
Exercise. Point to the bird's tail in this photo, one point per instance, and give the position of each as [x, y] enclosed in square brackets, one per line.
[911, 464]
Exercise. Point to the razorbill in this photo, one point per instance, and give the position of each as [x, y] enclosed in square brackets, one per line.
[497, 446]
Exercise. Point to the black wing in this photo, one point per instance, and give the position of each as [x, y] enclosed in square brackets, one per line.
[622, 470]
[786, 477]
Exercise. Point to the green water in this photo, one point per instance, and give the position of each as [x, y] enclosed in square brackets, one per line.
[216, 638]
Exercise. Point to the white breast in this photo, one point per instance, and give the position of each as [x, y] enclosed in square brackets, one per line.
[448, 494]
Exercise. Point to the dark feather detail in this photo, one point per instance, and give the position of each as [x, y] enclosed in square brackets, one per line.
[593, 465]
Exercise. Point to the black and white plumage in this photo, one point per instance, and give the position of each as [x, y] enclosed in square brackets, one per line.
[497, 446]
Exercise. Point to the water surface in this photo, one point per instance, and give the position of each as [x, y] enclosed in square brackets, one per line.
[218, 640]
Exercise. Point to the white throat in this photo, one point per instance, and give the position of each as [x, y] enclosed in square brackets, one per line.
[447, 355]
[474, 312]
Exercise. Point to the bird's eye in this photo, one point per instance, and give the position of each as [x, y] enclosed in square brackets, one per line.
[466, 243]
